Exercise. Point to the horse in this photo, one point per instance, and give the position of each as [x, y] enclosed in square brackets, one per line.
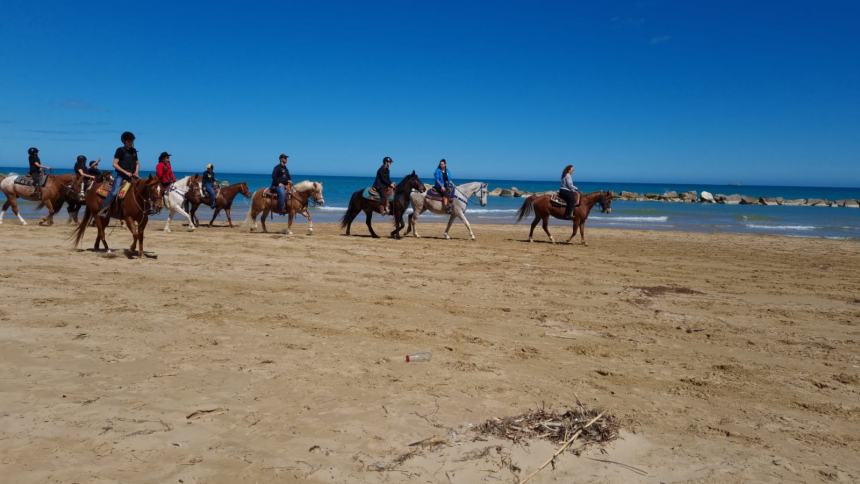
[55, 190]
[178, 192]
[405, 189]
[143, 199]
[462, 194]
[358, 203]
[301, 194]
[223, 201]
[543, 207]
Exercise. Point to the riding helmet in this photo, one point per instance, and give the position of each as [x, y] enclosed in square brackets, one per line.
[82, 159]
[128, 135]
[32, 151]
[387, 159]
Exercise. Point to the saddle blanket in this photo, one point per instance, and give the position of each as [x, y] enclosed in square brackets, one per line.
[434, 194]
[27, 180]
[370, 193]
[104, 189]
[558, 201]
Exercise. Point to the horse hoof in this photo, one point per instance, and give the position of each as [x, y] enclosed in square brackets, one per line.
[447, 237]
[531, 240]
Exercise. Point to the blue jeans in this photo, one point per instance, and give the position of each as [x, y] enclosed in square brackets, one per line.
[282, 197]
[211, 191]
[119, 179]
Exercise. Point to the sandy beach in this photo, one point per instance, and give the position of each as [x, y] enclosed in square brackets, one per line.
[237, 357]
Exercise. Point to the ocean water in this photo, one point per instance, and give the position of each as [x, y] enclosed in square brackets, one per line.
[830, 222]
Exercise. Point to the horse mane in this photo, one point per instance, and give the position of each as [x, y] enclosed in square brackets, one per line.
[307, 185]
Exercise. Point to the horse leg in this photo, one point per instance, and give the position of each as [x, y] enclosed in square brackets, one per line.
[264, 214]
[545, 225]
[291, 215]
[467, 224]
[582, 233]
[170, 213]
[448, 228]
[532, 231]
[229, 219]
[214, 214]
[129, 222]
[307, 215]
[3, 212]
[573, 234]
[140, 229]
[369, 214]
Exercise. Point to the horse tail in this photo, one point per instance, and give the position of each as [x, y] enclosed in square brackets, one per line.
[249, 220]
[351, 210]
[78, 233]
[527, 208]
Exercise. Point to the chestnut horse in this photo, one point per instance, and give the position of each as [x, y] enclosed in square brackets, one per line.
[143, 199]
[543, 208]
[358, 204]
[302, 193]
[223, 201]
[54, 192]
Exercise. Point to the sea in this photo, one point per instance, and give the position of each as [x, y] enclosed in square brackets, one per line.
[790, 221]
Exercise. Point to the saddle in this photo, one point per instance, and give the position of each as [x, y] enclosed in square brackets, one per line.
[27, 180]
[104, 189]
[434, 194]
[370, 193]
[557, 201]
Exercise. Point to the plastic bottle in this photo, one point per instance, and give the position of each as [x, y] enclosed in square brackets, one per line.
[423, 356]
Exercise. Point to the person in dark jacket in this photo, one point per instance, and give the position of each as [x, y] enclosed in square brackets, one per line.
[127, 168]
[383, 182]
[83, 173]
[282, 182]
[209, 182]
[36, 168]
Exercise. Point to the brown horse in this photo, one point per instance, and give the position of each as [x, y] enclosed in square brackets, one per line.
[543, 207]
[55, 190]
[296, 203]
[358, 203]
[223, 201]
[143, 199]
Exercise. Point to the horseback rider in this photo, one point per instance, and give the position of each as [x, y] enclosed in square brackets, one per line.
[82, 172]
[209, 182]
[444, 185]
[164, 171]
[36, 168]
[568, 192]
[383, 182]
[127, 168]
[282, 182]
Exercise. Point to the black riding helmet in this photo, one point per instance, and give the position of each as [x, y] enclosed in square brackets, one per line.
[387, 159]
[32, 151]
[128, 135]
[82, 159]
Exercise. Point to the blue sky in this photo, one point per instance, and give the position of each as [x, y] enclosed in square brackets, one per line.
[710, 92]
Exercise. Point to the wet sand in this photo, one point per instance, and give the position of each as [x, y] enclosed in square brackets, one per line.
[237, 357]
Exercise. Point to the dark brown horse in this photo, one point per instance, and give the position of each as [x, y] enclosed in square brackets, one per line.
[402, 196]
[56, 189]
[303, 192]
[358, 203]
[223, 201]
[143, 199]
[543, 207]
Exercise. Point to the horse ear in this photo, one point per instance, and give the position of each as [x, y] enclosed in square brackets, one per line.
[413, 172]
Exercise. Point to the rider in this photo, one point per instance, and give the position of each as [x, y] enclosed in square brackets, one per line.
[568, 191]
[383, 182]
[164, 171]
[127, 168]
[444, 185]
[82, 172]
[209, 182]
[36, 168]
[282, 182]
[93, 170]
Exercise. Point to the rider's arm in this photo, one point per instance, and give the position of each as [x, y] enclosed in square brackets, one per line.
[119, 168]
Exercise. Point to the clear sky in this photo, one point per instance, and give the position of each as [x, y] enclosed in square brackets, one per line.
[684, 91]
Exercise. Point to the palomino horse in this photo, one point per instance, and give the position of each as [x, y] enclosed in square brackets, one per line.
[358, 203]
[406, 188]
[462, 194]
[302, 193]
[223, 201]
[54, 191]
[180, 191]
[543, 208]
[143, 199]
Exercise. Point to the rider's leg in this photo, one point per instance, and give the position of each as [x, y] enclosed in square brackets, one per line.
[570, 199]
[211, 191]
[282, 198]
[117, 184]
[37, 183]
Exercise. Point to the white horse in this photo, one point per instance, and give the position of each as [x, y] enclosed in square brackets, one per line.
[462, 194]
[174, 198]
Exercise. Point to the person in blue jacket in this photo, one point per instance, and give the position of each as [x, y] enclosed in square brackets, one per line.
[444, 185]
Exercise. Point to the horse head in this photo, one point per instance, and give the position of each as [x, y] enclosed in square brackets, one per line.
[482, 194]
[605, 201]
[318, 194]
[243, 189]
[412, 182]
[153, 201]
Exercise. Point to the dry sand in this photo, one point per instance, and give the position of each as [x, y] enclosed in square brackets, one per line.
[237, 357]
